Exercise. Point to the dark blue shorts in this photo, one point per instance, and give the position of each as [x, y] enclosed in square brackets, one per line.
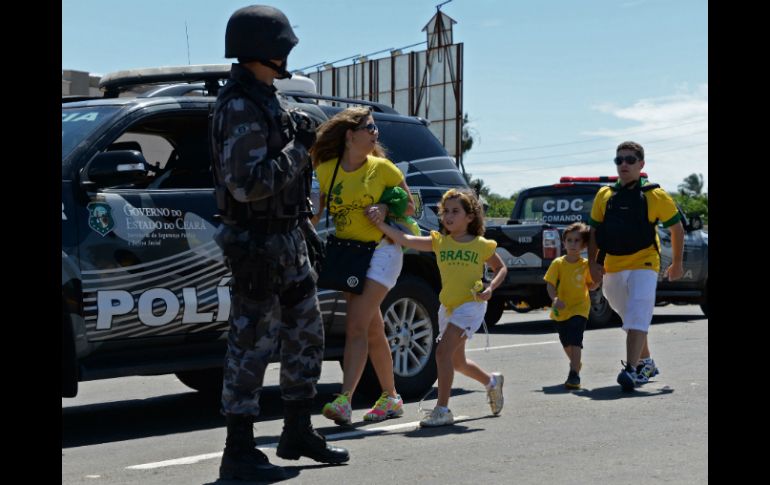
[571, 331]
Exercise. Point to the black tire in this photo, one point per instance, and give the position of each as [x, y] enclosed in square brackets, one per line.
[601, 313]
[704, 306]
[410, 311]
[205, 381]
[495, 308]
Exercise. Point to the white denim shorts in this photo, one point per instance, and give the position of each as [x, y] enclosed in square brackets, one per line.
[631, 293]
[468, 317]
[386, 264]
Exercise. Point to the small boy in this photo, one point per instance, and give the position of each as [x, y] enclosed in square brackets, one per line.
[568, 281]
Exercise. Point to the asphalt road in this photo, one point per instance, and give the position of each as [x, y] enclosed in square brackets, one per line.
[154, 430]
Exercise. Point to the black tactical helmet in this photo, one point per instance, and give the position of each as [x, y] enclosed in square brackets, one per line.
[259, 32]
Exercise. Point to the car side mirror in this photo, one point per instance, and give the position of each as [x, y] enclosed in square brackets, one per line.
[113, 168]
[694, 223]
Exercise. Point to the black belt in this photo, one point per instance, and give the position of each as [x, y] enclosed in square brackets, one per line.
[272, 226]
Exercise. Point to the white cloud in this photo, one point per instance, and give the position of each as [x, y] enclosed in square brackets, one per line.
[672, 129]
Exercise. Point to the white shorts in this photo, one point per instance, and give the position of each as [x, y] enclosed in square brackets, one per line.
[631, 293]
[386, 263]
[467, 317]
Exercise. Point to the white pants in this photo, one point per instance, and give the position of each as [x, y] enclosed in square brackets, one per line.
[386, 263]
[631, 293]
[467, 317]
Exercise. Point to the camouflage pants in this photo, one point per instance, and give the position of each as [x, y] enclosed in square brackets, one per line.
[274, 308]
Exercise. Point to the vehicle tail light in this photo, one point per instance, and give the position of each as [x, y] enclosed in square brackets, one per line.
[551, 244]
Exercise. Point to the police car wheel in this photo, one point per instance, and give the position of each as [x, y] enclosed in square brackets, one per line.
[601, 313]
[495, 308]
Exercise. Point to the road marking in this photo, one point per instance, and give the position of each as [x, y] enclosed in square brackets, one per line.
[514, 345]
[188, 460]
[347, 434]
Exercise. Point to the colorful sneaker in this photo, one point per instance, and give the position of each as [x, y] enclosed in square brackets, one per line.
[385, 407]
[338, 410]
[438, 417]
[627, 377]
[573, 380]
[495, 394]
[647, 368]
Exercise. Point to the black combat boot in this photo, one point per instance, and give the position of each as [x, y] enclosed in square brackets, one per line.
[300, 439]
[241, 460]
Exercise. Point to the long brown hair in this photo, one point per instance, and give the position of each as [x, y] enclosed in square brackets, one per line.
[330, 137]
[471, 205]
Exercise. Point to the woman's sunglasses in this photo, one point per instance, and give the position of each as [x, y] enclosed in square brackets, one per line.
[371, 128]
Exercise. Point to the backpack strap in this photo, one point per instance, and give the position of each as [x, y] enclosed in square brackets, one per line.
[331, 187]
[643, 189]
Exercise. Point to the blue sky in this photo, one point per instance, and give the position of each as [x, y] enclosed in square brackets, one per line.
[551, 86]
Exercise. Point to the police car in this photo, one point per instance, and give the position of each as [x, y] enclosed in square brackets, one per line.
[144, 287]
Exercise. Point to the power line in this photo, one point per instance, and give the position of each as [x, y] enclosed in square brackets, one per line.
[355, 56]
[698, 120]
[582, 153]
[585, 163]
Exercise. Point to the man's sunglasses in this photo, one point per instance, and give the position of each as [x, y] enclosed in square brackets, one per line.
[371, 128]
[628, 159]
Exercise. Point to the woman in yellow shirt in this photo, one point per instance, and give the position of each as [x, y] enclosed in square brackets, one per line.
[461, 253]
[350, 139]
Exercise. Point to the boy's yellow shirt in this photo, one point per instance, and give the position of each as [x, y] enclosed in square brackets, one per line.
[660, 207]
[354, 191]
[571, 281]
[460, 265]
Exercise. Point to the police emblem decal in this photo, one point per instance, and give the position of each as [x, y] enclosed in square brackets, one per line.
[100, 218]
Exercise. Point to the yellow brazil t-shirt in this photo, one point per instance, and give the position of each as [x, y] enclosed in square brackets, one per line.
[571, 281]
[460, 265]
[660, 207]
[354, 191]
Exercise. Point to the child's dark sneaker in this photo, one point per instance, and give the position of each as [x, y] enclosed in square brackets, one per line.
[627, 377]
[573, 380]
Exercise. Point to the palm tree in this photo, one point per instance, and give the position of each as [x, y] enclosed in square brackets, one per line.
[692, 185]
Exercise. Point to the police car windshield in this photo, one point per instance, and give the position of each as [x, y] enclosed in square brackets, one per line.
[78, 123]
[557, 208]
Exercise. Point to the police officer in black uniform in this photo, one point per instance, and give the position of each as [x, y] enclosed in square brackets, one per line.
[262, 177]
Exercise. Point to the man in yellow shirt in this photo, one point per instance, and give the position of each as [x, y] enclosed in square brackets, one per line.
[623, 226]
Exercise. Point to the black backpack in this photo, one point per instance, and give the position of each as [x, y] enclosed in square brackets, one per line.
[626, 228]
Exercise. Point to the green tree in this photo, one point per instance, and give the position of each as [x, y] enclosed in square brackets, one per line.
[694, 205]
[692, 185]
[466, 142]
[499, 206]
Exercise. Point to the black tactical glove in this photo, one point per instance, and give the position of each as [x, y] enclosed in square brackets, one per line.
[304, 128]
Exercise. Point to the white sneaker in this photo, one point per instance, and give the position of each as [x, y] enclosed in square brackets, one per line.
[438, 417]
[647, 368]
[495, 394]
